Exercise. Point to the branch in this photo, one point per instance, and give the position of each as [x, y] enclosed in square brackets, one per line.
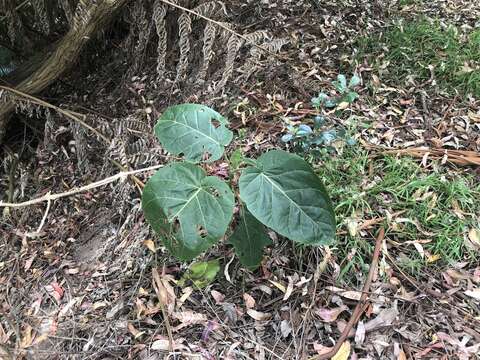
[51, 197]
[359, 308]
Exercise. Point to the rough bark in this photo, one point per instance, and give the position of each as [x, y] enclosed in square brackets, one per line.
[90, 16]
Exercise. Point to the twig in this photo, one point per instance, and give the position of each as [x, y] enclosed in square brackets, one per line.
[67, 113]
[359, 308]
[47, 210]
[51, 197]
[157, 285]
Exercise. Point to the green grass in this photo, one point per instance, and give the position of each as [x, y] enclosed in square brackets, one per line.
[410, 48]
[364, 188]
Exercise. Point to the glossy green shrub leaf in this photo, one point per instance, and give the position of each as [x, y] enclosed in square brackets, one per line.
[249, 239]
[188, 209]
[283, 192]
[196, 131]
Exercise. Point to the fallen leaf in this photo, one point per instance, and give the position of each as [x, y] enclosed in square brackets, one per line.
[320, 349]
[27, 337]
[150, 245]
[285, 328]
[257, 315]
[189, 317]
[330, 315]
[289, 290]
[385, 318]
[279, 286]
[349, 294]
[474, 236]
[164, 345]
[249, 301]
[360, 333]
[136, 333]
[163, 289]
[401, 355]
[217, 296]
[419, 248]
[475, 293]
[343, 352]
[433, 258]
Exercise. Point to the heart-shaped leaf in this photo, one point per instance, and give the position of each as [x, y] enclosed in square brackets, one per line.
[249, 239]
[188, 209]
[196, 131]
[283, 192]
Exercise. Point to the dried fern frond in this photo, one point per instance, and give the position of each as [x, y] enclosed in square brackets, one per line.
[209, 35]
[14, 23]
[233, 45]
[256, 37]
[184, 30]
[67, 10]
[137, 146]
[210, 9]
[143, 34]
[273, 46]
[41, 16]
[159, 13]
[81, 147]
[82, 13]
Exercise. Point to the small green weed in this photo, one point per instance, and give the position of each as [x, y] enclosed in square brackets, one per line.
[319, 140]
[437, 209]
[419, 48]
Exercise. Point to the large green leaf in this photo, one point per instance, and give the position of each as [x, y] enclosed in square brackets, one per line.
[190, 210]
[249, 239]
[196, 131]
[283, 192]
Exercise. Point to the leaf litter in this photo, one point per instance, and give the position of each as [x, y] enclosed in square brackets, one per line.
[83, 286]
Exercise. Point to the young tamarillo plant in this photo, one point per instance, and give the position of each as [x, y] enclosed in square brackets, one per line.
[191, 211]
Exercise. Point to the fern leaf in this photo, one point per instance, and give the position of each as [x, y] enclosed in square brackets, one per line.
[41, 16]
[233, 45]
[159, 13]
[184, 29]
[210, 9]
[209, 35]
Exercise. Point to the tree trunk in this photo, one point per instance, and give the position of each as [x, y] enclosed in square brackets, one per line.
[90, 16]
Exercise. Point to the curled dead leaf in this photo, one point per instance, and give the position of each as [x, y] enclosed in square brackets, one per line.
[343, 353]
[249, 301]
[259, 316]
[330, 315]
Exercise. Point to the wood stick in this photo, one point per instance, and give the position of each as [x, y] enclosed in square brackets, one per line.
[359, 308]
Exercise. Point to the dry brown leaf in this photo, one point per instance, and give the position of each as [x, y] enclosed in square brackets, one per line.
[164, 291]
[257, 315]
[249, 301]
[278, 286]
[136, 333]
[164, 345]
[285, 328]
[349, 294]
[289, 290]
[385, 318]
[474, 293]
[320, 349]
[343, 353]
[401, 355]
[150, 245]
[217, 296]
[474, 236]
[27, 337]
[330, 315]
[187, 318]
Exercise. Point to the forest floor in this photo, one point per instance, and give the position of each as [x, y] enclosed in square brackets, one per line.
[80, 277]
